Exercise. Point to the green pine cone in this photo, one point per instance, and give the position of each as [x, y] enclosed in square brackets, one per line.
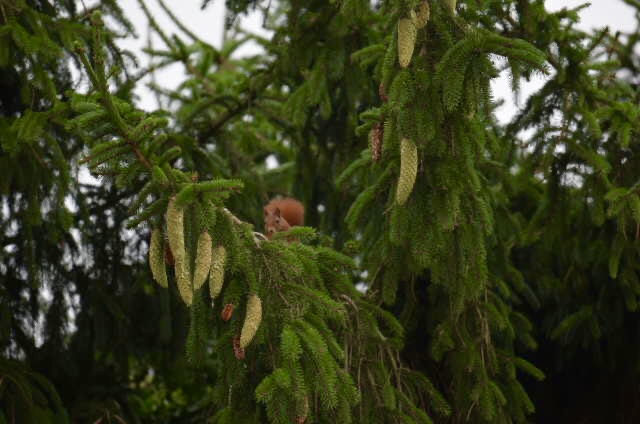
[408, 170]
[183, 280]
[423, 11]
[203, 260]
[407, 34]
[216, 274]
[175, 230]
[156, 258]
[450, 5]
[251, 321]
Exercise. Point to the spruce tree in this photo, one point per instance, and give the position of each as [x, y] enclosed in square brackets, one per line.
[454, 269]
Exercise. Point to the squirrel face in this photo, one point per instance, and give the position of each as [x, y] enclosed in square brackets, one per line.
[274, 222]
[280, 214]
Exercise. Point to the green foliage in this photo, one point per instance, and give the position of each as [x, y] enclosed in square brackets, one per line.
[507, 266]
[28, 397]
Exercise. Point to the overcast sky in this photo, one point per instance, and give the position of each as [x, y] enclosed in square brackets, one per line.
[208, 25]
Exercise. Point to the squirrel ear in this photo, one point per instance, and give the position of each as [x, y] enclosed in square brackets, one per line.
[277, 212]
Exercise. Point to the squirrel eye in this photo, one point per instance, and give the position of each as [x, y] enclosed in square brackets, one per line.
[277, 220]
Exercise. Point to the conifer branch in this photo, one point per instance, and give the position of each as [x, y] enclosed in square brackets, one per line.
[184, 29]
[154, 24]
[100, 84]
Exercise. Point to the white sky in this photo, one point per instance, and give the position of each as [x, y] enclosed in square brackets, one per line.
[208, 25]
[612, 13]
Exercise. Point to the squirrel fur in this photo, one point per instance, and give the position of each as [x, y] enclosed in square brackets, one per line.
[280, 214]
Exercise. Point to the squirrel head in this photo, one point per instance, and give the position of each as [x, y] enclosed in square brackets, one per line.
[274, 221]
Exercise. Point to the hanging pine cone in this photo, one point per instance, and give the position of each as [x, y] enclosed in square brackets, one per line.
[183, 281]
[227, 312]
[375, 141]
[156, 261]
[251, 321]
[301, 419]
[408, 170]
[407, 34]
[175, 231]
[450, 6]
[422, 14]
[203, 260]
[216, 274]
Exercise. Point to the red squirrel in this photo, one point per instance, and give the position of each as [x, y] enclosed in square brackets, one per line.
[280, 214]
